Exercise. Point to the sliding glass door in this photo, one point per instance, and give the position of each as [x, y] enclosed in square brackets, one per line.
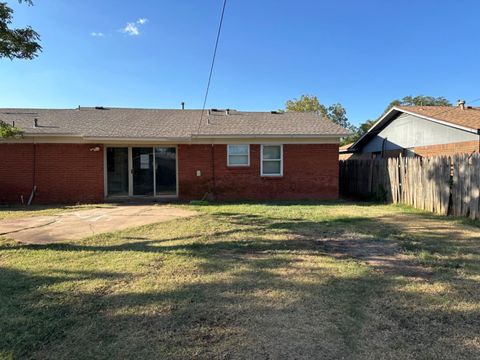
[165, 171]
[117, 171]
[141, 171]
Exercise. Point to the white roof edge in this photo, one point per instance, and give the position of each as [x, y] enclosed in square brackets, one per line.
[475, 131]
[374, 126]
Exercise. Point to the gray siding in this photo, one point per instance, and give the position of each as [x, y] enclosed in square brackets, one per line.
[408, 131]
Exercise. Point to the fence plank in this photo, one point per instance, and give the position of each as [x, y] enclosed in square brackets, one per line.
[443, 185]
[474, 187]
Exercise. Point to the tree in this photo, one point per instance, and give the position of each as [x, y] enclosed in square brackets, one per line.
[360, 131]
[335, 112]
[306, 103]
[309, 103]
[338, 114]
[419, 100]
[8, 131]
[364, 127]
[22, 43]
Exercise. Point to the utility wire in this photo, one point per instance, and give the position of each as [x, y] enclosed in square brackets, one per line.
[213, 63]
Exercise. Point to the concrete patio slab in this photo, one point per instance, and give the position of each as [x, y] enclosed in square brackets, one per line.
[83, 223]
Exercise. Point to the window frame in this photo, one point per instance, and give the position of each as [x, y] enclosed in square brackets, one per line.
[272, 160]
[238, 165]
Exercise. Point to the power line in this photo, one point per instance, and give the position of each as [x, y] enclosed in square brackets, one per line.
[213, 63]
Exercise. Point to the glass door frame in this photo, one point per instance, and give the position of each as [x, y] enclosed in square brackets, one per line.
[130, 171]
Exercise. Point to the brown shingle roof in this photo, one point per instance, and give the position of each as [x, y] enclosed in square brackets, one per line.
[159, 123]
[345, 147]
[470, 117]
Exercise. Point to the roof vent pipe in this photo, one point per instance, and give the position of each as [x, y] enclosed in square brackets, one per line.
[35, 122]
[461, 104]
[183, 105]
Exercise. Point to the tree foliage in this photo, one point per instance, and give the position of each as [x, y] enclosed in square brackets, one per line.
[21, 43]
[310, 103]
[8, 131]
[419, 100]
[360, 131]
[306, 103]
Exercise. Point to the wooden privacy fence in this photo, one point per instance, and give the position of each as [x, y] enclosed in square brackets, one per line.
[447, 185]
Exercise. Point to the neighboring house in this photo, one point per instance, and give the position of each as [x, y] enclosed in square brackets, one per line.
[421, 131]
[344, 153]
[93, 154]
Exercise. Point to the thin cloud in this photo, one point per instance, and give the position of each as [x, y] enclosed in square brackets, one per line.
[133, 28]
[97, 34]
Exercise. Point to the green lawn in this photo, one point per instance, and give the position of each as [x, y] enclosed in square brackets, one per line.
[250, 281]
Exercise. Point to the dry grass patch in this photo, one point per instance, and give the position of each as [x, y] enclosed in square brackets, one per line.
[249, 281]
[19, 211]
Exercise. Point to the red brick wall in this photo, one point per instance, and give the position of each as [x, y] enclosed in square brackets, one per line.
[65, 173]
[16, 172]
[448, 149]
[310, 172]
[70, 173]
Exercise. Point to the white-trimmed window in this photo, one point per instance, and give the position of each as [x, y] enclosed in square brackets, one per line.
[238, 155]
[271, 160]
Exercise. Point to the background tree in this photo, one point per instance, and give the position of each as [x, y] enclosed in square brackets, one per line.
[8, 131]
[15, 44]
[306, 103]
[419, 100]
[335, 112]
[360, 131]
[22, 43]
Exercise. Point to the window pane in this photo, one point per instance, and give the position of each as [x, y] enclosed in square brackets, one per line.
[238, 160]
[142, 175]
[238, 149]
[271, 152]
[117, 171]
[166, 170]
[271, 167]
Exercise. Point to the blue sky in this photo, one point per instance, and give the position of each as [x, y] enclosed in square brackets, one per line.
[362, 54]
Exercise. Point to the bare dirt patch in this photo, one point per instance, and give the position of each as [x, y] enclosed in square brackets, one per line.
[383, 255]
[389, 256]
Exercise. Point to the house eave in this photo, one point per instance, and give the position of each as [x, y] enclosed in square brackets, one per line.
[389, 114]
[230, 136]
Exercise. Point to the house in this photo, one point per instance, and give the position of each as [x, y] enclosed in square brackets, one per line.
[344, 153]
[421, 131]
[96, 154]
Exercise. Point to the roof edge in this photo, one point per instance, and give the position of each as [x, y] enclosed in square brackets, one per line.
[402, 110]
[201, 136]
[444, 122]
